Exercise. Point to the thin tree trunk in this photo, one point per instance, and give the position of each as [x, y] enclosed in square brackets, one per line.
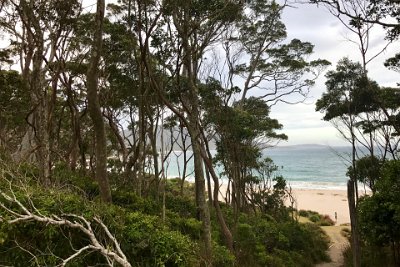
[221, 220]
[206, 154]
[94, 107]
[209, 191]
[114, 128]
[201, 198]
[355, 244]
[38, 91]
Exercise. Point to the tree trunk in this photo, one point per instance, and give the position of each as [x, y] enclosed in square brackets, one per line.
[202, 205]
[94, 107]
[355, 241]
[39, 119]
[121, 141]
[206, 154]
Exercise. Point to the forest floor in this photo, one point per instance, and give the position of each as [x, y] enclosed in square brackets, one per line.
[337, 245]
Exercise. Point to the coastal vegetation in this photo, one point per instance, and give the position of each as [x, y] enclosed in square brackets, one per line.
[367, 116]
[315, 217]
[66, 224]
[94, 99]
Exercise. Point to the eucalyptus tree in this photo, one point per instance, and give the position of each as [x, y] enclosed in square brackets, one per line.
[261, 68]
[359, 109]
[94, 105]
[262, 62]
[14, 107]
[198, 25]
[242, 131]
[171, 38]
[339, 103]
[351, 101]
[37, 31]
[363, 14]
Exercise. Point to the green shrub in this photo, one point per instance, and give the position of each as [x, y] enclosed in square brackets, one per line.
[260, 239]
[222, 256]
[315, 218]
[144, 238]
[262, 242]
[187, 226]
[326, 221]
[75, 181]
[170, 248]
[131, 201]
[184, 206]
[303, 213]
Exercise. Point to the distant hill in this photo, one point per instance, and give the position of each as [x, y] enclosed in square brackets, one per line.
[175, 135]
[307, 146]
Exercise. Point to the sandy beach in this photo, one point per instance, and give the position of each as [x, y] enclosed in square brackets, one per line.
[326, 202]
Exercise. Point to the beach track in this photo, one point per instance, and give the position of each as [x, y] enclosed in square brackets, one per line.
[337, 244]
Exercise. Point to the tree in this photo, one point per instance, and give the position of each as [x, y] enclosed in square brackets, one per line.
[340, 102]
[263, 61]
[367, 171]
[379, 214]
[243, 130]
[32, 27]
[365, 14]
[14, 107]
[94, 106]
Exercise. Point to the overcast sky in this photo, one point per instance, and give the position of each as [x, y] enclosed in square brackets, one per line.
[309, 23]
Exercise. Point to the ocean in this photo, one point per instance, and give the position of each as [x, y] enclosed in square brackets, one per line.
[312, 166]
[303, 166]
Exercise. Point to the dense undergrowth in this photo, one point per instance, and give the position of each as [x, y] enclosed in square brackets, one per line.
[147, 240]
[315, 217]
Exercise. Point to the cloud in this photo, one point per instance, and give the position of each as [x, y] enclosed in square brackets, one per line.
[309, 23]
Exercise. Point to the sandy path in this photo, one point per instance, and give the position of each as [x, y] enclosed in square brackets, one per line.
[336, 247]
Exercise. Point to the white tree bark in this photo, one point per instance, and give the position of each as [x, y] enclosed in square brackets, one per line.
[110, 249]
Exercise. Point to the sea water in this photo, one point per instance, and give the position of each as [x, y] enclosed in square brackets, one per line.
[304, 166]
[312, 167]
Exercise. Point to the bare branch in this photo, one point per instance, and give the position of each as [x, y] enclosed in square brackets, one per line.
[111, 252]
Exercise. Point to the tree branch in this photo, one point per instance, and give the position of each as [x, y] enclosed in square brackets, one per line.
[111, 252]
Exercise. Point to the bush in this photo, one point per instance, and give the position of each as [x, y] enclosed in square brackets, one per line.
[147, 240]
[261, 242]
[73, 180]
[144, 238]
[326, 221]
[315, 217]
[222, 256]
[187, 226]
[379, 217]
[304, 213]
[133, 202]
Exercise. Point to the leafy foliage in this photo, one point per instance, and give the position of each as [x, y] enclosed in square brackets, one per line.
[145, 239]
[315, 217]
[379, 214]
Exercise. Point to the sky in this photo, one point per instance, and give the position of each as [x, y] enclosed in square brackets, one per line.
[302, 123]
